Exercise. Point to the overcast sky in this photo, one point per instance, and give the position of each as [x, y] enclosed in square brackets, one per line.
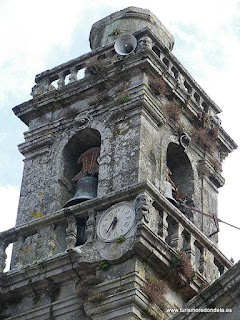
[39, 35]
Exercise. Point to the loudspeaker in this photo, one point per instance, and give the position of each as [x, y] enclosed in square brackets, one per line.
[125, 44]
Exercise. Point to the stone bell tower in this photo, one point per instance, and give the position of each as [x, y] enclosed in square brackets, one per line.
[118, 165]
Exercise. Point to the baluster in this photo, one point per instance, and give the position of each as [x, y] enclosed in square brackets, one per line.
[21, 254]
[90, 226]
[61, 81]
[71, 232]
[176, 240]
[73, 75]
[163, 225]
[225, 269]
[39, 251]
[180, 81]
[168, 65]
[45, 85]
[3, 256]
[190, 250]
[202, 262]
[52, 240]
[200, 103]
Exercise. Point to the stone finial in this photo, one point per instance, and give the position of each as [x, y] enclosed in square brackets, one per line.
[128, 21]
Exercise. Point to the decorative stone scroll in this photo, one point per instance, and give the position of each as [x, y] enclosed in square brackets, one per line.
[184, 140]
[144, 43]
[143, 207]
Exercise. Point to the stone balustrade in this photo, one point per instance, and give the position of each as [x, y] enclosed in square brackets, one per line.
[172, 71]
[158, 215]
[67, 73]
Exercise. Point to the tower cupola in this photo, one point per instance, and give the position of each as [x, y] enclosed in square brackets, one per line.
[128, 21]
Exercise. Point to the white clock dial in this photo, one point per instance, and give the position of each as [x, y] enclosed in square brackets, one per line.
[116, 221]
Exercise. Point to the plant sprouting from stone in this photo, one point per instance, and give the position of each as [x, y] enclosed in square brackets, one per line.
[115, 32]
[158, 86]
[86, 288]
[172, 111]
[180, 266]
[96, 297]
[95, 66]
[120, 239]
[154, 287]
[103, 265]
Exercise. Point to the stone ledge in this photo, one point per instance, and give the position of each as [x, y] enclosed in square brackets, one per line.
[159, 254]
[81, 210]
[57, 309]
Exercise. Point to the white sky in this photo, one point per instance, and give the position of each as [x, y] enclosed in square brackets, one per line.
[39, 35]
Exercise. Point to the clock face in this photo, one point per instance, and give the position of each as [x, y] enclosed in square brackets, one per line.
[116, 221]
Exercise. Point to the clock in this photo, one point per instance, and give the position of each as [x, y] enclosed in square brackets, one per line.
[117, 221]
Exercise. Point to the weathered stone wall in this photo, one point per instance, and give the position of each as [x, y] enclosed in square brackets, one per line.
[128, 21]
[141, 111]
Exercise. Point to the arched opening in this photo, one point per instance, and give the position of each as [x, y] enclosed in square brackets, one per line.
[77, 145]
[180, 170]
[81, 173]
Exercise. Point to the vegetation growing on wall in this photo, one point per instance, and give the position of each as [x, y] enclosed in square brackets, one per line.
[87, 291]
[180, 266]
[95, 66]
[154, 288]
[172, 111]
[158, 86]
[103, 265]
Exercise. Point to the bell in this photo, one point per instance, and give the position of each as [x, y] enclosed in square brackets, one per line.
[86, 189]
[168, 193]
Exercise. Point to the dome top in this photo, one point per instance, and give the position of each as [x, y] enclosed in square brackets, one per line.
[128, 21]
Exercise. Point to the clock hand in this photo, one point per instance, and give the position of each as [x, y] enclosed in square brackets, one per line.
[114, 222]
[109, 227]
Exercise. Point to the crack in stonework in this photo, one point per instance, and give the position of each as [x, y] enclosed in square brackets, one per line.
[79, 277]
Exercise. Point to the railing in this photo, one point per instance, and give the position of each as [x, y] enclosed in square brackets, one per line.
[171, 226]
[177, 77]
[172, 67]
[197, 249]
[69, 72]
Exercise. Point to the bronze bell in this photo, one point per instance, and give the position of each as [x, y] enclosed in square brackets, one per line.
[86, 179]
[86, 189]
[168, 193]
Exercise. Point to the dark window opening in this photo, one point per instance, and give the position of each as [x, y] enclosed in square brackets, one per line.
[175, 72]
[181, 170]
[81, 142]
[81, 231]
[188, 87]
[196, 97]
[156, 50]
[166, 62]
